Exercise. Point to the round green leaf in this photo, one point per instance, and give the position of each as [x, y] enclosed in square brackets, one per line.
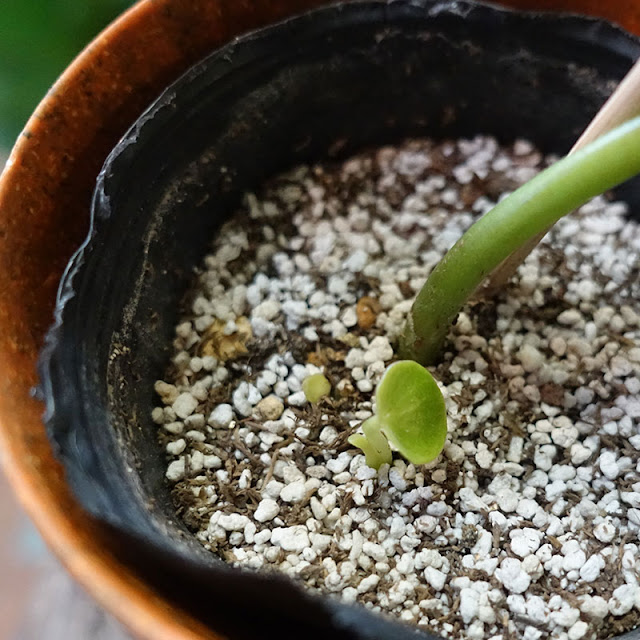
[315, 387]
[411, 411]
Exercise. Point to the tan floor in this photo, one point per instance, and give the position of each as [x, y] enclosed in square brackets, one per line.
[20, 566]
[38, 600]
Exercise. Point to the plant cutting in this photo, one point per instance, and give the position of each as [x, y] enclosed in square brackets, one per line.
[521, 216]
[535, 206]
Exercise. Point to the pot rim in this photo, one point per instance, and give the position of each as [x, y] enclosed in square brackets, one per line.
[111, 583]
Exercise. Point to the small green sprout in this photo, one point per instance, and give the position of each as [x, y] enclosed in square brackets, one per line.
[373, 443]
[528, 211]
[410, 413]
[315, 387]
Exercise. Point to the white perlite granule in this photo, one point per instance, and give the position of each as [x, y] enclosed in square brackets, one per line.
[527, 525]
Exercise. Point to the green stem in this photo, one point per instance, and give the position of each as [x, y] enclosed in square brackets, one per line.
[373, 443]
[568, 184]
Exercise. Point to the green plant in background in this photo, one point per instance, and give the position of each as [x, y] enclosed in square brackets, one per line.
[38, 39]
[410, 408]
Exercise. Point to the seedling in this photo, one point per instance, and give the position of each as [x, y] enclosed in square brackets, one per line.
[410, 407]
[316, 387]
[410, 413]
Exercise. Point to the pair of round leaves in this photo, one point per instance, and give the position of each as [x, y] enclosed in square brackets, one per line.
[410, 414]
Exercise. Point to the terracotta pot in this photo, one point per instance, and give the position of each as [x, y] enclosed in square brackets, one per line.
[45, 195]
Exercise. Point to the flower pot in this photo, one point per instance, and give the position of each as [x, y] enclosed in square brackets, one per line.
[131, 552]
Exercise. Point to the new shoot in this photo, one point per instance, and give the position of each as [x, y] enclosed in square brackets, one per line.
[410, 414]
[316, 387]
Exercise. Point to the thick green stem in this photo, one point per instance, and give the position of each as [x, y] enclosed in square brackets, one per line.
[605, 163]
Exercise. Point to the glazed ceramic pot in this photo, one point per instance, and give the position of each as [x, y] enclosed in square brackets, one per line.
[45, 198]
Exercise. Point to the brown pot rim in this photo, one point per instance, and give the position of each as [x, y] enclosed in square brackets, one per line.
[91, 103]
[113, 585]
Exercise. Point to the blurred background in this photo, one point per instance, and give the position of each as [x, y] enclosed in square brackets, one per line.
[38, 39]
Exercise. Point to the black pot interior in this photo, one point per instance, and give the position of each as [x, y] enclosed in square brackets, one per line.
[320, 86]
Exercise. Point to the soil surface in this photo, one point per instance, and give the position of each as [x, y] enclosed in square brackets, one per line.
[527, 525]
